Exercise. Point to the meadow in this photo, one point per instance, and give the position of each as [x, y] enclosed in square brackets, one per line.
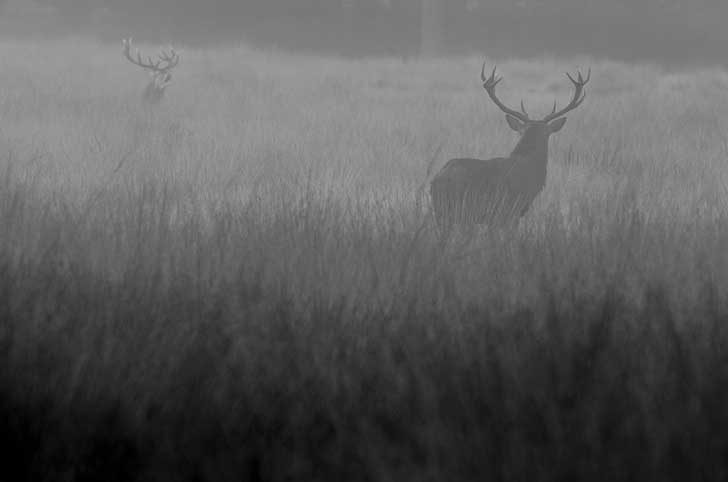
[245, 282]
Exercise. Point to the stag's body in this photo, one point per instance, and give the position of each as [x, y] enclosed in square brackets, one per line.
[502, 189]
[476, 191]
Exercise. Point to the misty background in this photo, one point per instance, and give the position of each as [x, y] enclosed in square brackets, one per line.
[682, 31]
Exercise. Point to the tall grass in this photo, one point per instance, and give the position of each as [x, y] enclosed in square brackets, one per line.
[245, 283]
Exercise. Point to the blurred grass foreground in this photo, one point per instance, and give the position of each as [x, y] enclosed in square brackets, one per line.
[244, 282]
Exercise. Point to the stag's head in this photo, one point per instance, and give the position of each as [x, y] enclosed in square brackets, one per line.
[160, 70]
[536, 130]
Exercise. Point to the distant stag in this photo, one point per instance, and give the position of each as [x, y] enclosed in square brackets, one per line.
[160, 71]
[501, 190]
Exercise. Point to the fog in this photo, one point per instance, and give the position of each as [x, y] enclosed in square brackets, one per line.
[236, 260]
[677, 31]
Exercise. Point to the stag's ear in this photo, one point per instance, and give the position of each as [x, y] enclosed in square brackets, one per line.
[555, 126]
[515, 124]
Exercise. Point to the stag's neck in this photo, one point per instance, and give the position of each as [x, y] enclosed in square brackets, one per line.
[535, 150]
[529, 160]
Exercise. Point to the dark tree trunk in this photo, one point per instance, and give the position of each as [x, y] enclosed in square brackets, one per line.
[431, 28]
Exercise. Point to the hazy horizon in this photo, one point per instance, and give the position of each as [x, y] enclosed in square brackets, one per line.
[665, 31]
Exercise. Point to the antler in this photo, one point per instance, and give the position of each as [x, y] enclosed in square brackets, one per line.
[171, 58]
[167, 60]
[576, 100]
[489, 86]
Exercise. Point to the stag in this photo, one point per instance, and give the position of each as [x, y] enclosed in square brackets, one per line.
[502, 189]
[160, 70]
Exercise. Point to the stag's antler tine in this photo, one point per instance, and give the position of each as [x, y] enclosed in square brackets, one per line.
[576, 100]
[170, 58]
[523, 108]
[496, 78]
[127, 48]
[493, 80]
[489, 86]
[580, 80]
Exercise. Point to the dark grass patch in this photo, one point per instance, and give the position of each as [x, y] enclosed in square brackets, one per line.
[594, 389]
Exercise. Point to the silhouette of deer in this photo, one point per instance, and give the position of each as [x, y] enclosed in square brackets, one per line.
[502, 189]
[159, 70]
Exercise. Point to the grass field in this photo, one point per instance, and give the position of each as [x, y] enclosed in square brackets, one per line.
[245, 283]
